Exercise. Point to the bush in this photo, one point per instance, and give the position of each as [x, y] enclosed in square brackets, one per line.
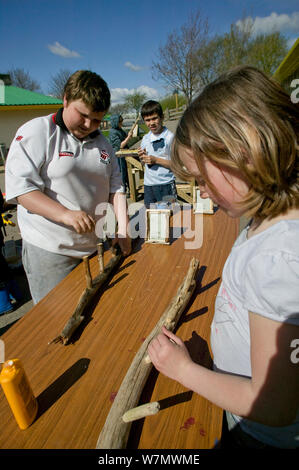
[169, 102]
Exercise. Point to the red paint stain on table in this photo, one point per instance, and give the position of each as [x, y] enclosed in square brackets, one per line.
[112, 396]
[189, 422]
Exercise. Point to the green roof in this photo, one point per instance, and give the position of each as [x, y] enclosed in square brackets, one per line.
[14, 96]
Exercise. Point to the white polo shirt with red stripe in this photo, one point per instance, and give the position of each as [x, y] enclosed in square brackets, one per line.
[79, 174]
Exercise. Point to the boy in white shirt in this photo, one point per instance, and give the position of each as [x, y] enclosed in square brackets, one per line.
[59, 170]
[154, 152]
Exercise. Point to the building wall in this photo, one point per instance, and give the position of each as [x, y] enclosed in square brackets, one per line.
[11, 120]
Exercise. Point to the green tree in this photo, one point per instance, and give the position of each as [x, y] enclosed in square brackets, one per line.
[239, 47]
[223, 52]
[267, 51]
[169, 101]
[135, 100]
[120, 108]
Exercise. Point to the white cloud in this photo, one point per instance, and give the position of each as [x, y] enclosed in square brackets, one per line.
[274, 22]
[58, 49]
[118, 94]
[135, 68]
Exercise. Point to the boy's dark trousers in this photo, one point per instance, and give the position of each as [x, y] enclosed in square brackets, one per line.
[159, 193]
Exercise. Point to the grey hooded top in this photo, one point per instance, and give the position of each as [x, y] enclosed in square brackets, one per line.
[116, 134]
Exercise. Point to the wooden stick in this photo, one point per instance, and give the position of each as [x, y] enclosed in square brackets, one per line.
[100, 248]
[115, 432]
[136, 120]
[141, 411]
[86, 298]
[87, 272]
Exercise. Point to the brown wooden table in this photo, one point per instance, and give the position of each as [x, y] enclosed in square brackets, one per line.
[75, 384]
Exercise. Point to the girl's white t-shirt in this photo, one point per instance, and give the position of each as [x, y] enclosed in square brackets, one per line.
[261, 275]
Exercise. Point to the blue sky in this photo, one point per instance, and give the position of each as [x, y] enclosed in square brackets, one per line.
[119, 39]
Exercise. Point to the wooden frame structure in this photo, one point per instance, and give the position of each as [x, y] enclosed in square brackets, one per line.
[157, 226]
[135, 171]
[185, 191]
[201, 206]
[136, 177]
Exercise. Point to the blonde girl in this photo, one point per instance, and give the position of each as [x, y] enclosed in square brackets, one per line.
[239, 139]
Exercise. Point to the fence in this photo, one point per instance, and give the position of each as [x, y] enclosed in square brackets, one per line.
[129, 119]
[174, 114]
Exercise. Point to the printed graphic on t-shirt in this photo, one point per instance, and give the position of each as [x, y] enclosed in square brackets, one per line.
[66, 153]
[104, 157]
[225, 308]
[158, 144]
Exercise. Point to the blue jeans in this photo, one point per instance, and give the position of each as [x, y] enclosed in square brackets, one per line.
[159, 193]
[233, 437]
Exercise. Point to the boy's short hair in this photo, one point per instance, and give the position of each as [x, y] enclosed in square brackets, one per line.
[151, 107]
[90, 88]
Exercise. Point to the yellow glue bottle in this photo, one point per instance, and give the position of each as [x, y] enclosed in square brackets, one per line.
[18, 392]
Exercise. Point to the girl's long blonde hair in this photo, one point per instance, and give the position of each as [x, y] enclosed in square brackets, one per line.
[245, 121]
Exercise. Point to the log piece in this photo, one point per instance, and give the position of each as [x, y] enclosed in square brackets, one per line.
[141, 411]
[115, 432]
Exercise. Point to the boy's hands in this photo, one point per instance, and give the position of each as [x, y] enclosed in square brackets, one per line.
[79, 220]
[39, 203]
[141, 152]
[125, 244]
[169, 355]
[84, 223]
[145, 158]
[148, 159]
[152, 160]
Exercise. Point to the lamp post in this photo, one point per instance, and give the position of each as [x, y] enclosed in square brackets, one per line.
[175, 92]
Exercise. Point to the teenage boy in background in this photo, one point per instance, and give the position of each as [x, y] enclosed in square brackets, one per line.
[154, 152]
[59, 169]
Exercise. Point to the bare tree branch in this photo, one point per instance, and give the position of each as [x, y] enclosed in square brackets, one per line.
[20, 78]
[58, 82]
[177, 60]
